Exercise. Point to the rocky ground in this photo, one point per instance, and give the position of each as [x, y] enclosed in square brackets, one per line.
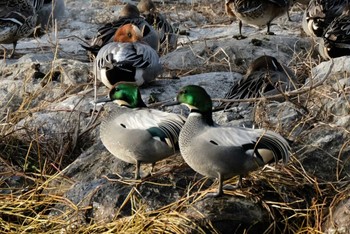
[56, 174]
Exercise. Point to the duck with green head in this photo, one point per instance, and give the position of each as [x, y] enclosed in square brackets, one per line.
[219, 151]
[136, 134]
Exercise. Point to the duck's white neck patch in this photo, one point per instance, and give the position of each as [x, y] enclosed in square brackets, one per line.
[190, 106]
[121, 102]
[195, 114]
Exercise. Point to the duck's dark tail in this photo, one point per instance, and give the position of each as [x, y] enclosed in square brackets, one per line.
[271, 147]
[92, 49]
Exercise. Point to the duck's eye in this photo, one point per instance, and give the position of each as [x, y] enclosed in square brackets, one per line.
[129, 35]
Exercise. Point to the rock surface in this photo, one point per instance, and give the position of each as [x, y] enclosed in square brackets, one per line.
[46, 95]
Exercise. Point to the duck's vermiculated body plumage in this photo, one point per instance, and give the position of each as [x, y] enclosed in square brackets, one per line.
[136, 134]
[129, 134]
[127, 59]
[229, 151]
[223, 152]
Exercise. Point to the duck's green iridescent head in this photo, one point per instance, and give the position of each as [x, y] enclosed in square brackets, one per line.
[126, 94]
[196, 98]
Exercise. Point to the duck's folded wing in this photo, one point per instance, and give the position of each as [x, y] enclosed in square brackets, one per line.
[247, 7]
[147, 118]
[149, 55]
[162, 126]
[246, 88]
[250, 140]
[137, 55]
[226, 136]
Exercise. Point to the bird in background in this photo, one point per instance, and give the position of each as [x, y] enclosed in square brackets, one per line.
[265, 76]
[136, 134]
[320, 13]
[168, 35]
[335, 41]
[222, 152]
[129, 14]
[258, 13]
[128, 58]
[18, 19]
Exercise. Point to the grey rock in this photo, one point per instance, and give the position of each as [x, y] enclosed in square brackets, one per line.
[216, 83]
[339, 221]
[341, 67]
[230, 213]
[324, 153]
[98, 184]
[228, 53]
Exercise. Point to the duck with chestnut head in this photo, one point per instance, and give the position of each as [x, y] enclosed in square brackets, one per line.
[127, 58]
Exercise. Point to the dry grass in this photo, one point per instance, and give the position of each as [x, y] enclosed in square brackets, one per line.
[296, 202]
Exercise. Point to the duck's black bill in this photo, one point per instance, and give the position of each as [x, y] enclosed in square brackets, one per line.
[102, 100]
[171, 103]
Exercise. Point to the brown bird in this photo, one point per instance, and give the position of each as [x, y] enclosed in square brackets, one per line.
[258, 13]
[265, 76]
[127, 58]
[128, 15]
[17, 20]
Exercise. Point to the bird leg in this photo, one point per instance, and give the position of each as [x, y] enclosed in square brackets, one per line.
[239, 183]
[14, 48]
[289, 19]
[240, 36]
[268, 30]
[236, 186]
[137, 172]
[219, 191]
[152, 167]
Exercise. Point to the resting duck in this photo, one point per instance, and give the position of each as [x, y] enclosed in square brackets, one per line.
[265, 76]
[136, 134]
[223, 152]
[128, 58]
[128, 15]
